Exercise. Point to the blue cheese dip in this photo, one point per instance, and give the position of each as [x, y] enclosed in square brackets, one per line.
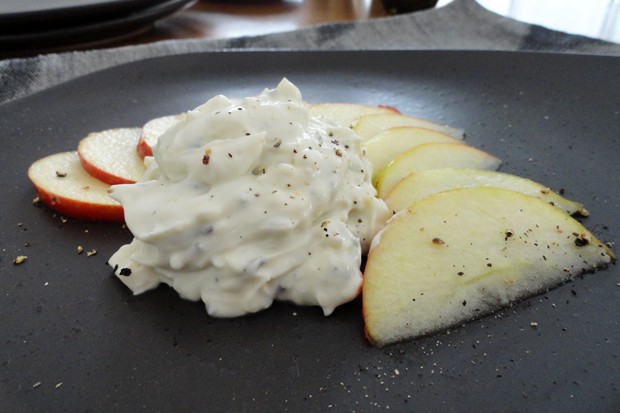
[250, 201]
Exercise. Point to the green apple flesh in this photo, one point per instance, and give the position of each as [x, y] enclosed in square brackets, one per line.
[384, 147]
[424, 183]
[457, 255]
[432, 156]
[370, 125]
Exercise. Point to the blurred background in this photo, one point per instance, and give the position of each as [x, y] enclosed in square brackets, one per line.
[593, 18]
[29, 27]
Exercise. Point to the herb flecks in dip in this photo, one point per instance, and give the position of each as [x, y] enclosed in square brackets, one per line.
[251, 200]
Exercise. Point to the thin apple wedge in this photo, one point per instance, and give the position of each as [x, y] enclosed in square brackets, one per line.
[458, 255]
[384, 147]
[432, 156]
[368, 126]
[346, 114]
[111, 156]
[152, 130]
[421, 184]
[65, 187]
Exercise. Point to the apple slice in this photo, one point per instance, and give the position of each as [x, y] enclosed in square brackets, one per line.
[458, 255]
[346, 114]
[152, 130]
[421, 184]
[384, 147]
[432, 156]
[111, 156]
[65, 187]
[368, 126]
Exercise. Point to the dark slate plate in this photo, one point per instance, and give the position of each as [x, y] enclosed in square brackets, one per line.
[74, 339]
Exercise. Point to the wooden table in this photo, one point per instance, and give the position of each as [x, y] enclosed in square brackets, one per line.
[222, 19]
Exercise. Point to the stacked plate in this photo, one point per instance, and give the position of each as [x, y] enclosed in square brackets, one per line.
[30, 25]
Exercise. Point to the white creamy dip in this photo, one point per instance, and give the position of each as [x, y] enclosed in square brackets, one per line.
[248, 201]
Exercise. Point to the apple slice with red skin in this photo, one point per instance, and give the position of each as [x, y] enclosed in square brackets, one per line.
[111, 156]
[65, 187]
[152, 130]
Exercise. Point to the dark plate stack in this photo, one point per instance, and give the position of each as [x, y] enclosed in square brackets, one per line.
[33, 25]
